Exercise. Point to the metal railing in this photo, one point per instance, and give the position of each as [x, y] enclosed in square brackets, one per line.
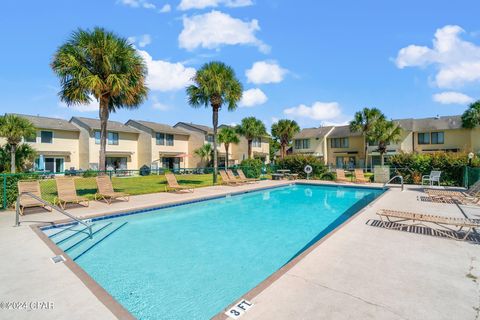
[401, 181]
[54, 207]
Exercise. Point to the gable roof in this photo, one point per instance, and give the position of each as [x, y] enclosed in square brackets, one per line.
[48, 123]
[197, 127]
[343, 131]
[319, 132]
[159, 127]
[94, 124]
[438, 123]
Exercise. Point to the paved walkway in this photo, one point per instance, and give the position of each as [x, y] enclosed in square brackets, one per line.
[361, 271]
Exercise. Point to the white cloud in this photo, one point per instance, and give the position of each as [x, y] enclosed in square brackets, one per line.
[158, 105]
[452, 97]
[317, 111]
[265, 72]
[214, 29]
[166, 76]
[166, 8]
[145, 40]
[138, 3]
[201, 4]
[92, 106]
[457, 61]
[142, 42]
[253, 97]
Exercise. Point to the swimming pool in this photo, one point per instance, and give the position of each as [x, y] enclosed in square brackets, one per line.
[191, 261]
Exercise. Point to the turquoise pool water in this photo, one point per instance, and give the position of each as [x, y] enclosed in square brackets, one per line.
[191, 261]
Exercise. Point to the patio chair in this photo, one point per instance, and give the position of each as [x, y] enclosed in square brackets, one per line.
[340, 176]
[226, 179]
[471, 196]
[172, 184]
[433, 177]
[390, 219]
[360, 177]
[106, 192]
[67, 193]
[26, 201]
[242, 176]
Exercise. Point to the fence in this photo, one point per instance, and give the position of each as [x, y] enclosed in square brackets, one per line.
[133, 182]
[471, 175]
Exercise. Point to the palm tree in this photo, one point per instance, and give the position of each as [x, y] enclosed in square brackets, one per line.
[364, 121]
[227, 136]
[251, 128]
[14, 129]
[204, 152]
[24, 156]
[385, 132]
[283, 131]
[101, 65]
[215, 84]
[471, 117]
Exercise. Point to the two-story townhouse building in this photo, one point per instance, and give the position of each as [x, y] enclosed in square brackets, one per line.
[122, 144]
[200, 135]
[161, 145]
[56, 143]
[345, 149]
[312, 141]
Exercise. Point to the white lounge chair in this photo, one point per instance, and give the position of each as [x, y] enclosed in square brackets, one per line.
[433, 177]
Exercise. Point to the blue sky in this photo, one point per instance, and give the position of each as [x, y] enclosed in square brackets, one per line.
[313, 61]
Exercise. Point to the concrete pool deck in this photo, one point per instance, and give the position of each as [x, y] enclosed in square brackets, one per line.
[360, 271]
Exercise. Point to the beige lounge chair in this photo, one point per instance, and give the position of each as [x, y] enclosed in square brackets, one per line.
[26, 201]
[393, 216]
[340, 173]
[360, 177]
[471, 196]
[226, 179]
[67, 193]
[172, 184]
[106, 192]
[242, 176]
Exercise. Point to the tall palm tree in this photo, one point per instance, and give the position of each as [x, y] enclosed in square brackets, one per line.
[283, 131]
[364, 121]
[251, 128]
[14, 129]
[471, 116]
[104, 66]
[385, 132]
[215, 84]
[227, 136]
[204, 152]
[24, 156]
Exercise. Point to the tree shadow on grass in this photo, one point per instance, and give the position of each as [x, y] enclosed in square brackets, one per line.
[185, 181]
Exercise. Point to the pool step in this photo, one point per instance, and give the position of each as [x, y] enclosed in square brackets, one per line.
[85, 237]
[74, 255]
[73, 235]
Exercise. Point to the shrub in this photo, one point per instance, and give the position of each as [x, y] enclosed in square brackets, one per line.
[12, 189]
[297, 162]
[252, 168]
[330, 176]
[90, 173]
[413, 166]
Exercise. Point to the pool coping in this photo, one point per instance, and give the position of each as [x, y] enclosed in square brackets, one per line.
[119, 311]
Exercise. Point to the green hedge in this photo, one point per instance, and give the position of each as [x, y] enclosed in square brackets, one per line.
[413, 165]
[12, 189]
[252, 168]
[297, 162]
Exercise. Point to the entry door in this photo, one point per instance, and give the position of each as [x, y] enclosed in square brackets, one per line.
[58, 165]
[339, 162]
[50, 164]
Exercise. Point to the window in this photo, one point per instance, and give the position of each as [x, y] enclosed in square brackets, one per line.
[169, 139]
[46, 137]
[424, 138]
[257, 143]
[160, 137]
[31, 139]
[97, 137]
[437, 138]
[112, 138]
[210, 138]
[302, 144]
[339, 143]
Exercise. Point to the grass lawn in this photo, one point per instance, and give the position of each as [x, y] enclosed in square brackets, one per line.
[131, 185]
